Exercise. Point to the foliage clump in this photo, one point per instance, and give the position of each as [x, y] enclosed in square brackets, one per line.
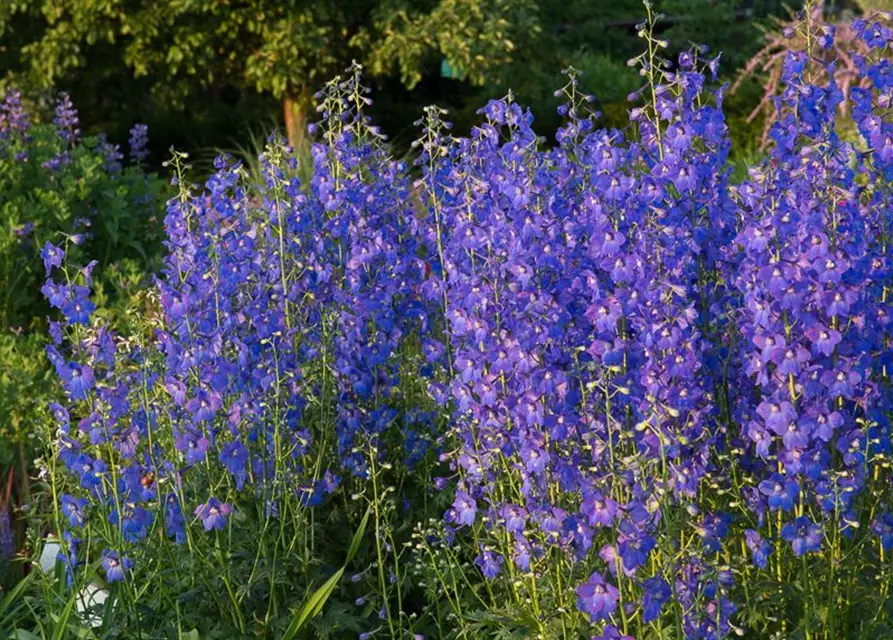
[55, 183]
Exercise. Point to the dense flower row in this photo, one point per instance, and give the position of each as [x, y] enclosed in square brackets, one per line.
[572, 285]
[655, 385]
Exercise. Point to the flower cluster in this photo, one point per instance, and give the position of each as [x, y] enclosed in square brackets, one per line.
[655, 386]
[139, 140]
[574, 280]
[67, 128]
[281, 352]
[65, 188]
[809, 274]
[14, 125]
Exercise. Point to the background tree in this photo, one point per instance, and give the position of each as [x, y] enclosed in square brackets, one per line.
[284, 48]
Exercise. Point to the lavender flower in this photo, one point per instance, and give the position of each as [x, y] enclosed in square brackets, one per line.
[139, 140]
[597, 598]
[213, 514]
[7, 541]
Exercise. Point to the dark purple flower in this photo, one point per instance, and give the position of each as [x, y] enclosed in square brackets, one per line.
[66, 119]
[139, 140]
[14, 120]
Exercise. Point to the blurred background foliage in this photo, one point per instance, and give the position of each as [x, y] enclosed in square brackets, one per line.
[206, 74]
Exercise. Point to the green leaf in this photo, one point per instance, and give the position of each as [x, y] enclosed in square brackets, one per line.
[317, 601]
[12, 597]
[357, 538]
[62, 623]
[314, 605]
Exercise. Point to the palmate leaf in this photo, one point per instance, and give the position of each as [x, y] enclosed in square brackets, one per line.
[505, 623]
[318, 599]
[339, 617]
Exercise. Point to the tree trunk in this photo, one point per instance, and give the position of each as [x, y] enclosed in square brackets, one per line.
[295, 107]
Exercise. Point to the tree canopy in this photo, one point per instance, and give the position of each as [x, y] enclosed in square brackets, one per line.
[223, 61]
[286, 48]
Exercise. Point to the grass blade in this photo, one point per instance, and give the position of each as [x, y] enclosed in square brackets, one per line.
[317, 601]
[62, 623]
[11, 600]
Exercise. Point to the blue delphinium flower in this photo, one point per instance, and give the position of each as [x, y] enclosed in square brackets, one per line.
[139, 140]
[73, 509]
[804, 535]
[781, 492]
[69, 555]
[760, 548]
[465, 508]
[599, 510]
[883, 528]
[116, 566]
[234, 457]
[213, 514]
[610, 632]
[657, 593]
[78, 380]
[598, 341]
[52, 257]
[174, 522]
[597, 598]
[79, 309]
[489, 562]
[193, 444]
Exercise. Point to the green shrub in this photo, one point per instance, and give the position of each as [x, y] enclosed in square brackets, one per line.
[56, 185]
